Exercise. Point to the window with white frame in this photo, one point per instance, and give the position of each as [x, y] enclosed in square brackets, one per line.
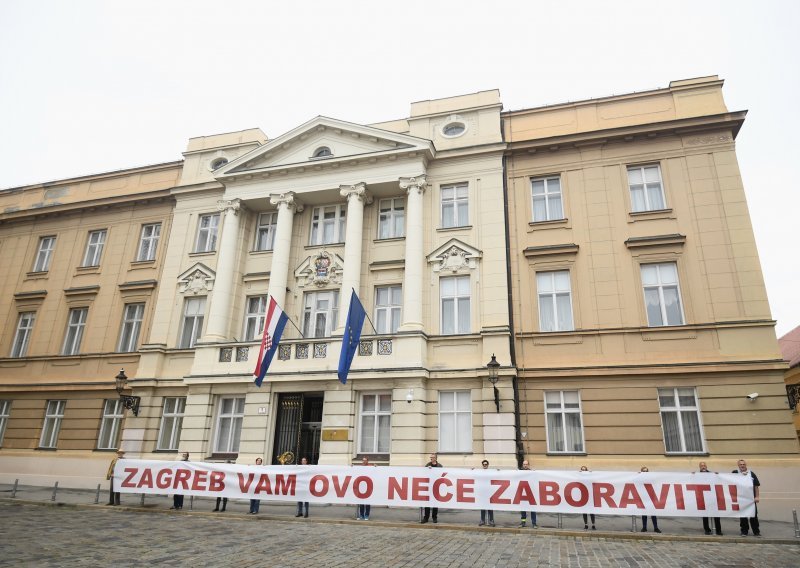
[5, 411]
[229, 425]
[321, 313]
[455, 421]
[265, 232]
[388, 301]
[546, 196]
[53, 414]
[169, 434]
[148, 242]
[44, 254]
[131, 326]
[564, 424]
[555, 301]
[662, 294]
[76, 322]
[647, 191]
[110, 424]
[455, 205]
[94, 248]
[327, 224]
[376, 423]
[194, 310]
[680, 419]
[454, 292]
[254, 317]
[207, 227]
[22, 337]
[391, 218]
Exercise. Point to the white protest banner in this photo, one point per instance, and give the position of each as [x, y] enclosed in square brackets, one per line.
[602, 492]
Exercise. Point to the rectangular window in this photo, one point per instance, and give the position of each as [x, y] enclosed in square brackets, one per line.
[680, 420]
[207, 227]
[254, 317]
[5, 411]
[376, 423]
[555, 301]
[229, 425]
[647, 192]
[76, 322]
[265, 233]
[455, 421]
[662, 294]
[455, 302]
[148, 242]
[194, 310]
[23, 335]
[564, 425]
[110, 424]
[169, 435]
[327, 224]
[131, 326]
[53, 415]
[44, 254]
[455, 205]
[391, 218]
[546, 195]
[388, 301]
[320, 314]
[94, 248]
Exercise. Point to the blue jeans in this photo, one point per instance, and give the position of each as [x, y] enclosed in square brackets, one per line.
[363, 512]
[302, 505]
[533, 517]
[483, 516]
[254, 505]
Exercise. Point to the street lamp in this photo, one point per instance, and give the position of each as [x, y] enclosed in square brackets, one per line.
[129, 402]
[494, 367]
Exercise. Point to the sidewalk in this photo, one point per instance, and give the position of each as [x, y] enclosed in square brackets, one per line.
[608, 527]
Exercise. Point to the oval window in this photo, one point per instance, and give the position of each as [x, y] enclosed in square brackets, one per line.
[454, 129]
[322, 152]
[217, 163]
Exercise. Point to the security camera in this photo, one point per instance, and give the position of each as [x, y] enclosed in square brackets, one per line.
[410, 396]
[752, 396]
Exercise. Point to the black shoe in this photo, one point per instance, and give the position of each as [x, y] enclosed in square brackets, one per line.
[657, 530]
[708, 533]
[758, 534]
[423, 521]
[586, 527]
[305, 516]
[299, 515]
[435, 521]
[593, 528]
[215, 511]
[644, 529]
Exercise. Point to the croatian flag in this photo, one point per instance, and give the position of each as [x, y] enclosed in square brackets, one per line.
[273, 329]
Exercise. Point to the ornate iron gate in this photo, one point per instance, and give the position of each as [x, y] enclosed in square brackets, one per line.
[298, 426]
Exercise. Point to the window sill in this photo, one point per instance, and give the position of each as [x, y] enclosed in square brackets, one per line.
[142, 263]
[105, 450]
[650, 215]
[46, 449]
[223, 457]
[321, 246]
[453, 453]
[550, 224]
[202, 252]
[37, 275]
[459, 228]
[175, 451]
[684, 454]
[566, 454]
[262, 251]
[389, 239]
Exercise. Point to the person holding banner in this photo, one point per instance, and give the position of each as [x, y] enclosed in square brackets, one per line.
[591, 515]
[652, 517]
[428, 511]
[301, 505]
[255, 503]
[526, 466]
[177, 499]
[113, 496]
[706, 527]
[363, 510]
[486, 512]
[746, 524]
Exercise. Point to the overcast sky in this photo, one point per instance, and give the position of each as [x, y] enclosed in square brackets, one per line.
[92, 86]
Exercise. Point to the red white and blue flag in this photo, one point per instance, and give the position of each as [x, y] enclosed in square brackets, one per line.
[274, 323]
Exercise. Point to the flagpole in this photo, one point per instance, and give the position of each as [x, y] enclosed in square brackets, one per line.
[290, 321]
[365, 314]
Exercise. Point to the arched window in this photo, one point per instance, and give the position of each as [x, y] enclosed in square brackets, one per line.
[322, 152]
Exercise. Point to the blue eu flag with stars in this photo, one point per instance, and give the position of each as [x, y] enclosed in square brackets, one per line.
[352, 334]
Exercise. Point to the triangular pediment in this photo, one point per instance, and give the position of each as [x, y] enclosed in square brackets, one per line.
[197, 279]
[454, 256]
[344, 142]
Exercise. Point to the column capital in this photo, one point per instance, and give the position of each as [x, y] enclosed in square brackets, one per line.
[358, 190]
[419, 183]
[233, 205]
[288, 199]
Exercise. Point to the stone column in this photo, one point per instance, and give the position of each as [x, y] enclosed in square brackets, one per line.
[219, 312]
[287, 205]
[415, 258]
[356, 195]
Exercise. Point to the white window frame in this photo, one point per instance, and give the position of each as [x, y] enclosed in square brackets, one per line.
[95, 243]
[131, 327]
[454, 201]
[645, 187]
[552, 197]
[562, 410]
[265, 231]
[376, 429]
[171, 422]
[550, 285]
[388, 311]
[681, 411]
[319, 224]
[229, 445]
[312, 312]
[5, 412]
[148, 242]
[76, 323]
[461, 439]
[207, 232]
[391, 218]
[51, 426]
[659, 287]
[254, 316]
[22, 337]
[459, 325]
[44, 253]
[192, 322]
[110, 424]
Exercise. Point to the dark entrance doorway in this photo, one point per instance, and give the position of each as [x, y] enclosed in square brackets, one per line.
[298, 426]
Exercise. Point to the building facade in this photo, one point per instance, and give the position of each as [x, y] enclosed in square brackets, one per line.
[790, 348]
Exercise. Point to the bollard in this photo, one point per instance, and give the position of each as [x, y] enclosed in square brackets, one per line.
[796, 526]
[141, 501]
[14, 491]
[55, 490]
[633, 523]
[191, 502]
[97, 495]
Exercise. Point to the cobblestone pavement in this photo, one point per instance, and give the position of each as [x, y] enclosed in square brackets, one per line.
[33, 534]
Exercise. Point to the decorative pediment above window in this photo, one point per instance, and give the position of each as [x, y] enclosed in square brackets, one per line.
[199, 279]
[674, 239]
[320, 270]
[454, 256]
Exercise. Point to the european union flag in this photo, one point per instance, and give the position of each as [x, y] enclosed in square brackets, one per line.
[352, 334]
